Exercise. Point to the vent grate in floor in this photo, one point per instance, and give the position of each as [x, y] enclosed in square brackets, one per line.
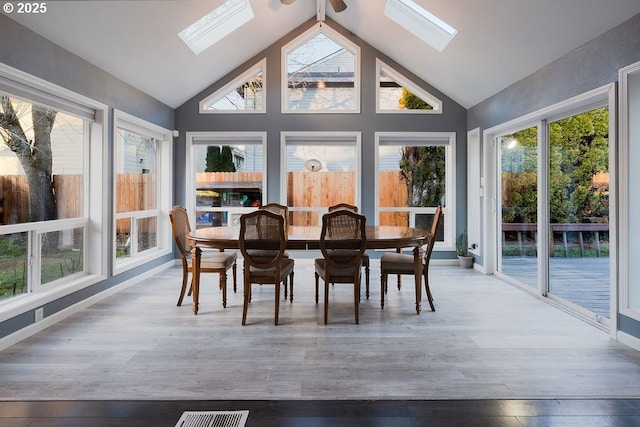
[213, 419]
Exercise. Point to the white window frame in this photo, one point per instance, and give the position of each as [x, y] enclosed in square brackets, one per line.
[319, 138]
[446, 139]
[409, 85]
[321, 28]
[627, 203]
[94, 221]
[601, 96]
[260, 67]
[219, 138]
[164, 194]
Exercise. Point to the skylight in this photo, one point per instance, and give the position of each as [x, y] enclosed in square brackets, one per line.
[420, 22]
[216, 25]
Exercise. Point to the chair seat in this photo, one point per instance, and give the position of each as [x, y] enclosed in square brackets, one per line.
[335, 272]
[398, 263]
[286, 267]
[216, 261]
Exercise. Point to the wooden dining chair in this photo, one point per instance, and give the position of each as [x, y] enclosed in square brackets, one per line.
[342, 241]
[262, 242]
[399, 263]
[365, 258]
[278, 209]
[284, 211]
[211, 262]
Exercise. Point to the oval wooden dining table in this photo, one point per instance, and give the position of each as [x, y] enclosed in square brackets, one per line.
[308, 238]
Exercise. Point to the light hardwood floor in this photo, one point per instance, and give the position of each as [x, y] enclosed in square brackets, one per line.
[487, 340]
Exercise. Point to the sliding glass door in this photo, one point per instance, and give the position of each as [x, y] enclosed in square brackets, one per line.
[579, 210]
[518, 228]
[553, 208]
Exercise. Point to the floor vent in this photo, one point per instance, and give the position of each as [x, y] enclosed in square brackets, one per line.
[213, 419]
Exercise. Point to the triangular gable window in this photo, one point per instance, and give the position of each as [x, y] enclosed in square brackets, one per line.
[321, 73]
[397, 94]
[244, 94]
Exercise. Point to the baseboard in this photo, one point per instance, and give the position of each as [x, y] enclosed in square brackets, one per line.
[628, 340]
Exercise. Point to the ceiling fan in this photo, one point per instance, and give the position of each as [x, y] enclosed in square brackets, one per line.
[337, 5]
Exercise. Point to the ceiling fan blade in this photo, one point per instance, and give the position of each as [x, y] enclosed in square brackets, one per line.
[338, 5]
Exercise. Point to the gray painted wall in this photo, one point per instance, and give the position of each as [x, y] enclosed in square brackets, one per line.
[368, 122]
[594, 64]
[23, 49]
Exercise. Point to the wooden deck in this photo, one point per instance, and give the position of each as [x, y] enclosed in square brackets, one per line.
[581, 281]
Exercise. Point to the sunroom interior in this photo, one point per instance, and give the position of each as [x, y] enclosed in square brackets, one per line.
[533, 148]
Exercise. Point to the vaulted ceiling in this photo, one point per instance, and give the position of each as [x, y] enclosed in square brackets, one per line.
[498, 43]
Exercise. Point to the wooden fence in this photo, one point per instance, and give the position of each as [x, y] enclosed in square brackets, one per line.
[322, 189]
[14, 195]
[135, 192]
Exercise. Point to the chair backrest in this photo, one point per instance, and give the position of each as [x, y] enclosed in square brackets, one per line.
[262, 238]
[345, 206]
[434, 231]
[343, 238]
[278, 209]
[180, 227]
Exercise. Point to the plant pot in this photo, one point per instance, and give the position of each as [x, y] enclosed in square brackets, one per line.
[465, 261]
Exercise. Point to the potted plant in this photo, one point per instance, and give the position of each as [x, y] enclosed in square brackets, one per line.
[462, 248]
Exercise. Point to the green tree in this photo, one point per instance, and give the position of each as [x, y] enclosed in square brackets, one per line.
[578, 151]
[409, 101]
[219, 160]
[422, 168]
[34, 154]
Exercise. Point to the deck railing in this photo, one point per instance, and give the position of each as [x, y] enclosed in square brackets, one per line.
[560, 235]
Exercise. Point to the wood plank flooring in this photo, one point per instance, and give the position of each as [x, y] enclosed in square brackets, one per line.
[487, 340]
[359, 413]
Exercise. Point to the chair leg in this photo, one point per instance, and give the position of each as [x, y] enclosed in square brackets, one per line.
[185, 275]
[356, 300]
[223, 287]
[383, 288]
[326, 302]
[291, 287]
[286, 291]
[245, 305]
[277, 304]
[235, 274]
[317, 278]
[366, 273]
[426, 286]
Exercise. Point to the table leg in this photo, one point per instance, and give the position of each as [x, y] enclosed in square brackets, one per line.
[417, 262]
[196, 255]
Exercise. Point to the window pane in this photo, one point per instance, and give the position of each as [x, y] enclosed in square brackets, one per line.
[46, 181]
[394, 96]
[579, 210]
[321, 76]
[519, 196]
[62, 254]
[319, 176]
[248, 96]
[123, 238]
[412, 176]
[13, 265]
[228, 182]
[147, 233]
[136, 169]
